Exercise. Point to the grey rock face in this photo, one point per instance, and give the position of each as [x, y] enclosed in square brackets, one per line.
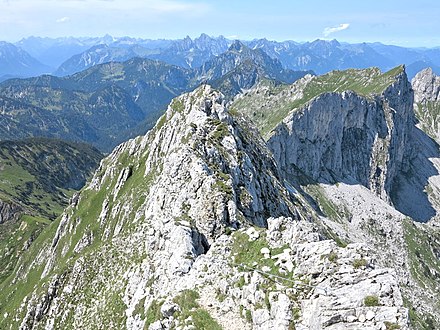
[346, 137]
[426, 86]
[9, 211]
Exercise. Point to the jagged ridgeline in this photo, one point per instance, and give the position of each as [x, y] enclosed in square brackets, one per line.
[203, 223]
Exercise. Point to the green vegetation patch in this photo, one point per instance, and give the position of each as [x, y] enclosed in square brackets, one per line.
[423, 244]
[428, 114]
[359, 263]
[371, 301]
[177, 105]
[13, 289]
[391, 326]
[15, 238]
[248, 253]
[189, 307]
[139, 309]
[153, 313]
[423, 321]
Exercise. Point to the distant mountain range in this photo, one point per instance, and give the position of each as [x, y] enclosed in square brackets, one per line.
[66, 56]
[15, 62]
[112, 102]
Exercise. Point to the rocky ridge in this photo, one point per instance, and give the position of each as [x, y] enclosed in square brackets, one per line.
[171, 233]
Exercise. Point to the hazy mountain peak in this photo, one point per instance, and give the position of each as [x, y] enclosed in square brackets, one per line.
[204, 37]
[237, 46]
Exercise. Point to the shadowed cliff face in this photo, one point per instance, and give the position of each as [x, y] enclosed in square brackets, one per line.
[419, 183]
[352, 136]
[349, 138]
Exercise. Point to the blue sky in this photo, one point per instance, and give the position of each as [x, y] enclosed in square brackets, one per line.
[401, 22]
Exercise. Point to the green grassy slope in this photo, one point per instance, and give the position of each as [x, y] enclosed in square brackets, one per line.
[38, 176]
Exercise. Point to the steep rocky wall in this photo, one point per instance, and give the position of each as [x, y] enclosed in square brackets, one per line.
[426, 87]
[9, 211]
[347, 137]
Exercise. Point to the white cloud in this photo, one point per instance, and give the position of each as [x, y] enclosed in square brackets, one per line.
[63, 19]
[329, 30]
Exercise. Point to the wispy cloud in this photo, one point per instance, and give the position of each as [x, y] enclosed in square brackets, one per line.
[63, 19]
[329, 30]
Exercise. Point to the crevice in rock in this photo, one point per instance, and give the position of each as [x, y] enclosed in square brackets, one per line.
[200, 242]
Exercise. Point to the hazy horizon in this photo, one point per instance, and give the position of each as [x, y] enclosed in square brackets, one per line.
[402, 23]
[212, 36]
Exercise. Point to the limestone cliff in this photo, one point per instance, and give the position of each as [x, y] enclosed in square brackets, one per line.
[348, 137]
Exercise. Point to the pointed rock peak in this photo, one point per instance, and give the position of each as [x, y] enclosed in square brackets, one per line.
[237, 46]
[204, 36]
[108, 39]
[426, 86]
[425, 72]
[334, 43]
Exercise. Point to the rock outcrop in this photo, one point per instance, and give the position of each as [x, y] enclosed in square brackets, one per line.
[9, 211]
[426, 86]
